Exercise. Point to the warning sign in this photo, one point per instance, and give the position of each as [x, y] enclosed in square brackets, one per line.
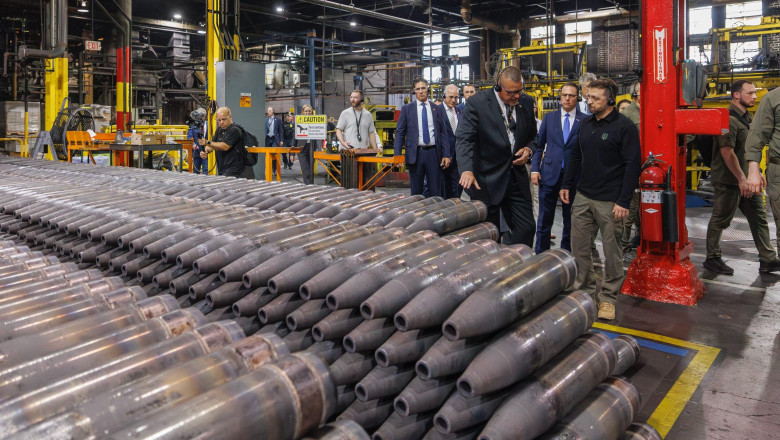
[660, 55]
[311, 127]
[245, 100]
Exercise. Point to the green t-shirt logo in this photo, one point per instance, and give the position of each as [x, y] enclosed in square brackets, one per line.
[604, 136]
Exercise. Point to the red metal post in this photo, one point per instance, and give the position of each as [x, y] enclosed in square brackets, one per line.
[663, 271]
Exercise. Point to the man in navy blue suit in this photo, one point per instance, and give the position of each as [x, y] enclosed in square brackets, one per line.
[558, 133]
[419, 130]
[273, 129]
[451, 119]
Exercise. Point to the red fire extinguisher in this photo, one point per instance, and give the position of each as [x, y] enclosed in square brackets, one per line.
[658, 202]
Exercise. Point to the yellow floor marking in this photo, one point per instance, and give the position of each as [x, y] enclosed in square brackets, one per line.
[678, 396]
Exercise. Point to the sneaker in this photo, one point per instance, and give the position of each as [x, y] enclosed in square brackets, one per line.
[606, 311]
[718, 266]
[769, 266]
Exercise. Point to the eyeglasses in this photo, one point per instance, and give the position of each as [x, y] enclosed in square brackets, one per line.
[511, 92]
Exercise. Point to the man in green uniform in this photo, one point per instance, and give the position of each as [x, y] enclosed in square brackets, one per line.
[728, 177]
[764, 130]
[632, 111]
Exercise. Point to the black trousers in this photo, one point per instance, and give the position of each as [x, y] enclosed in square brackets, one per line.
[518, 213]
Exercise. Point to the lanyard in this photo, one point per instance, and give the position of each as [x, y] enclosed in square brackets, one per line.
[506, 119]
[358, 122]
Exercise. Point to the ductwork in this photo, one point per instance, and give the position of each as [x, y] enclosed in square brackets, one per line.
[594, 15]
[465, 12]
[58, 14]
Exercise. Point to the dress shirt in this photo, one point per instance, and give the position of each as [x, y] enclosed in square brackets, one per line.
[452, 118]
[510, 133]
[420, 124]
[572, 114]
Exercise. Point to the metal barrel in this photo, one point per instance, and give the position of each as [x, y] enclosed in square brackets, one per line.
[406, 347]
[465, 434]
[448, 357]
[277, 309]
[72, 333]
[376, 208]
[59, 297]
[384, 382]
[48, 318]
[640, 431]
[370, 415]
[411, 217]
[279, 329]
[460, 412]
[424, 395]
[226, 294]
[185, 259]
[96, 233]
[350, 368]
[111, 237]
[164, 278]
[369, 335]
[199, 290]
[396, 293]
[73, 251]
[500, 303]
[146, 274]
[360, 287]
[554, 390]
[32, 270]
[319, 285]
[116, 264]
[35, 373]
[125, 239]
[131, 268]
[298, 384]
[225, 255]
[432, 306]
[340, 430]
[529, 344]
[181, 285]
[10, 264]
[155, 248]
[328, 351]
[253, 302]
[299, 341]
[137, 245]
[605, 413]
[42, 287]
[308, 314]
[346, 396]
[32, 407]
[90, 255]
[389, 241]
[393, 214]
[628, 352]
[337, 324]
[117, 255]
[266, 270]
[169, 254]
[398, 427]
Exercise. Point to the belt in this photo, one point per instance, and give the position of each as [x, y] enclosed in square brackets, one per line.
[774, 160]
[427, 147]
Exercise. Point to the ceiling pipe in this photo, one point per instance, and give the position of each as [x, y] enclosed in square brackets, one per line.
[465, 12]
[59, 17]
[386, 17]
[578, 16]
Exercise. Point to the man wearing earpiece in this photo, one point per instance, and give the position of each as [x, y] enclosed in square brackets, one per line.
[607, 160]
[495, 138]
[419, 132]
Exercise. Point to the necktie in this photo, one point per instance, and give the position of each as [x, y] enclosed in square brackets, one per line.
[511, 118]
[453, 119]
[566, 131]
[424, 128]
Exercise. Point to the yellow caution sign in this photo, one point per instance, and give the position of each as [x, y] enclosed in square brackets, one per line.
[311, 126]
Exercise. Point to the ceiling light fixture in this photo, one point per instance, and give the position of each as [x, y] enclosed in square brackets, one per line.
[201, 31]
[279, 9]
[177, 16]
[82, 6]
[352, 23]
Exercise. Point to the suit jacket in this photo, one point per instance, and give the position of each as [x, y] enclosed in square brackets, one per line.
[277, 134]
[448, 141]
[407, 132]
[483, 145]
[552, 151]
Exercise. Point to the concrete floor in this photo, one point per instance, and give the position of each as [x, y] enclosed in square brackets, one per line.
[711, 371]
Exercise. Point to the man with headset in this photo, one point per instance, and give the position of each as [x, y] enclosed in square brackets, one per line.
[495, 138]
[607, 160]
[558, 134]
[419, 131]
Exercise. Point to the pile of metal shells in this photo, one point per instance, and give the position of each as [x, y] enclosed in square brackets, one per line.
[389, 304]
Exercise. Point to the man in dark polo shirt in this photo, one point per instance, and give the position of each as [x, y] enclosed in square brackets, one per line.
[729, 179]
[608, 161]
[226, 141]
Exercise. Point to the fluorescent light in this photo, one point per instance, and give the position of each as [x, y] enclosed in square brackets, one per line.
[201, 31]
[352, 23]
[177, 16]
[279, 9]
[83, 10]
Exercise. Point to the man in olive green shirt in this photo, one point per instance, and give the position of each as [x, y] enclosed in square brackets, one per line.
[632, 111]
[764, 130]
[728, 177]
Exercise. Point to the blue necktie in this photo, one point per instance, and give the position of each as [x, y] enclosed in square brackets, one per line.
[424, 128]
[566, 131]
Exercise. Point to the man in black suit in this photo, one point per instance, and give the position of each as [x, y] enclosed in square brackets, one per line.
[495, 139]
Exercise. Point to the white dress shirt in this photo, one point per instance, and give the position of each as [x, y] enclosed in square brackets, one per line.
[431, 132]
[452, 117]
[509, 133]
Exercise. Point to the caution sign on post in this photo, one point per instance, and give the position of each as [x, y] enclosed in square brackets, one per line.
[311, 127]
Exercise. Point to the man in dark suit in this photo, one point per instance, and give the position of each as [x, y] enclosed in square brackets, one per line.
[419, 130]
[558, 133]
[452, 116]
[495, 138]
[468, 91]
[273, 129]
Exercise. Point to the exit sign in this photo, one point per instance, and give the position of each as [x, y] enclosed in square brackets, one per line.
[93, 45]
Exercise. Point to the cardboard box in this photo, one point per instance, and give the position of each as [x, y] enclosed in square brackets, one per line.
[147, 139]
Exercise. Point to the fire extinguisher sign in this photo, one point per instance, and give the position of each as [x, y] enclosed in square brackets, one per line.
[660, 54]
[652, 197]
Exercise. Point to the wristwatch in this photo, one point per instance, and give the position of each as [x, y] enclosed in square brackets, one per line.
[208, 142]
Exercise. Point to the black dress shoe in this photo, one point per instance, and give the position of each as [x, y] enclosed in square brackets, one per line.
[718, 266]
[769, 266]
